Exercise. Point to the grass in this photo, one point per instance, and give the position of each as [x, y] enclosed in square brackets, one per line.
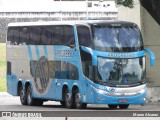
[3, 84]
[3, 67]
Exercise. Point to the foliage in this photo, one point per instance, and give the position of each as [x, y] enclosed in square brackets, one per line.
[126, 3]
[2, 67]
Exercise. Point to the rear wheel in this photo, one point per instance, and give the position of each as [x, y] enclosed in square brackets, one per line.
[23, 96]
[30, 99]
[77, 99]
[125, 106]
[111, 106]
[68, 100]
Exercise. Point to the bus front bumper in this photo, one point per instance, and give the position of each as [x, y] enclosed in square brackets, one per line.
[121, 98]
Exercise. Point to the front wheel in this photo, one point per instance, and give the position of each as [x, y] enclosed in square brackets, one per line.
[125, 106]
[78, 103]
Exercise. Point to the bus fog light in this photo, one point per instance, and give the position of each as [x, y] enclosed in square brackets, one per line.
[144, 99]
[99, 99]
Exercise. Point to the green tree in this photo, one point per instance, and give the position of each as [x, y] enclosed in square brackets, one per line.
[152, 6]
[126, 3]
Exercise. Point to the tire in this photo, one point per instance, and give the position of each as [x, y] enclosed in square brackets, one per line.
[68, 100]
[63, 103]
[23, 96]
[78, 103]
[30, 99]
[111, 106]
[124, 106]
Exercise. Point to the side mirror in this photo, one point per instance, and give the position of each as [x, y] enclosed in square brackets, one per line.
[151, 56]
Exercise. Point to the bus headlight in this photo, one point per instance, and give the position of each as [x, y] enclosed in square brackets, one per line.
[141, 91]
[100, 91]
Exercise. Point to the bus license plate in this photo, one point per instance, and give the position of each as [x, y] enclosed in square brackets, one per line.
[122, 100]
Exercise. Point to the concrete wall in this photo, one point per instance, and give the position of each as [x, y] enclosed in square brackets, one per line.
[132, 15]
[151, 36]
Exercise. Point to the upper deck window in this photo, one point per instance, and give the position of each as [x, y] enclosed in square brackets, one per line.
[41, 35]
[13, 36]
[117, 38]
[84, 36]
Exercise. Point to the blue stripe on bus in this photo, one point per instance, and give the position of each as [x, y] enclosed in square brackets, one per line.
[31, 58]
[30, 53]
[53, 53]
[37, 52]
[75, 34]
[96, 53]
[45, 50]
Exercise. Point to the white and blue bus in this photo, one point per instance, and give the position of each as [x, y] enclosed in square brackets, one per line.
[77, 63]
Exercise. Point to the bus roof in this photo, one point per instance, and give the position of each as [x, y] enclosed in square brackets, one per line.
[85, 22]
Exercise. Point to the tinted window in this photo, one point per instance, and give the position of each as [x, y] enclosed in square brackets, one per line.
[41, 35]
[13, 36]
[57, 35]
[84, 36]
[35, 35]
[46, 35]
[24, 36]
[68, 35]
[117, 38]
[59, 70]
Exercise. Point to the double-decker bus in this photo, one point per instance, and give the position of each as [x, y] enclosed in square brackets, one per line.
[77, 63]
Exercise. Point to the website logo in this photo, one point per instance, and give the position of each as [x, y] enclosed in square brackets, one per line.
[6, 114]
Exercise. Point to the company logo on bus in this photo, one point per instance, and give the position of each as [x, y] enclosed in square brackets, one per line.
[41, 77]
[64, 53]
[112, 89]
[125, 80]
[121, 55]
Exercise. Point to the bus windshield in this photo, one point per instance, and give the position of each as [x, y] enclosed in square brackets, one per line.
[117, 38]
[121, 71]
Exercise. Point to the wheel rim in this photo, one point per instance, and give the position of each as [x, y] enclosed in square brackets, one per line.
[77, 100]
[68, 102]
[29, 96]
[22, 95]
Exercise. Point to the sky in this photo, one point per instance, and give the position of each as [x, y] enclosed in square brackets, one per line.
[51, 5]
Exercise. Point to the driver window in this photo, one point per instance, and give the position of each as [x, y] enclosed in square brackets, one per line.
[68, 36]
[84, 36]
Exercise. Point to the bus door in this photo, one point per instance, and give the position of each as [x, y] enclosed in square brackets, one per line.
[84, 38]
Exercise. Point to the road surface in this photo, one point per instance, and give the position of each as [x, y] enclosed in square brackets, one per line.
[9, 103]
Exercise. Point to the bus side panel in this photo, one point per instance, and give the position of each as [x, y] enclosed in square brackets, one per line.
[86, 90]
[12, 82]
[49, 94]
[17, 67]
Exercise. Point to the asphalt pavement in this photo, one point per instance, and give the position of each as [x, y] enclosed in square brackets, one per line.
[54, 111]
